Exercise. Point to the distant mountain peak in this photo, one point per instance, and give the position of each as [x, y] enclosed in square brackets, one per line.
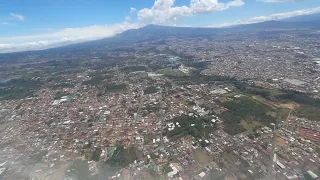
[153, 26]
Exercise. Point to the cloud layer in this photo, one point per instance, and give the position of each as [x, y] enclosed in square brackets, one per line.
[63, 37]
[278, 1]
[277, 16]
[132, 10]
[164, 11]
[17, 16]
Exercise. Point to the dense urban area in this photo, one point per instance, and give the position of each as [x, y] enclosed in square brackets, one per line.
[237, 105]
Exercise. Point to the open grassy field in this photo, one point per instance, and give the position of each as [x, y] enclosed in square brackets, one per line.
[250, 125]
[288, 105]
[309, 112]
[203, 157]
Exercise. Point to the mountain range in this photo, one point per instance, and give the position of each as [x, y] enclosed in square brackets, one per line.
[151, 32]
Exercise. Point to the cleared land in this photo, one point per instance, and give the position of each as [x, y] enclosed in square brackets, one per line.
[251, 125]
[203, 157]
[280, 141]
[291, 105]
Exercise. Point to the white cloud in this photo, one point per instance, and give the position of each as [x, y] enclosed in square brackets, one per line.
[5, 23]
[132, 10]
[164, 11]
[278, 1]
[277, 16]
[17, 16]
[127, 18]
[37, 45]
[63, 37]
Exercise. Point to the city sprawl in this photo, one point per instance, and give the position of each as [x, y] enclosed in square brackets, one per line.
[238, 105]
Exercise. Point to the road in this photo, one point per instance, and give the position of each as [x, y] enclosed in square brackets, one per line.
[275, 135]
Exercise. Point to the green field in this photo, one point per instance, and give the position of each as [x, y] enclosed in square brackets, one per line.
[251, 125]
[201, 127]
[203, 157]
[246, 109]
[309, 112]
[123, 157]
[114, 87]
[96, 80]
[150, 90]
[19, 88]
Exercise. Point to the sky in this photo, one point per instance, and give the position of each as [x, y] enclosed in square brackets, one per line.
[40, 24]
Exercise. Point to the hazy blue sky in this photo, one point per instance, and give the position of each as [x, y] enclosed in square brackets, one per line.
[39, 23]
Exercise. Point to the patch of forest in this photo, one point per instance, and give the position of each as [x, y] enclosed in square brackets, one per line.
[245, 108]
[197, 127]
